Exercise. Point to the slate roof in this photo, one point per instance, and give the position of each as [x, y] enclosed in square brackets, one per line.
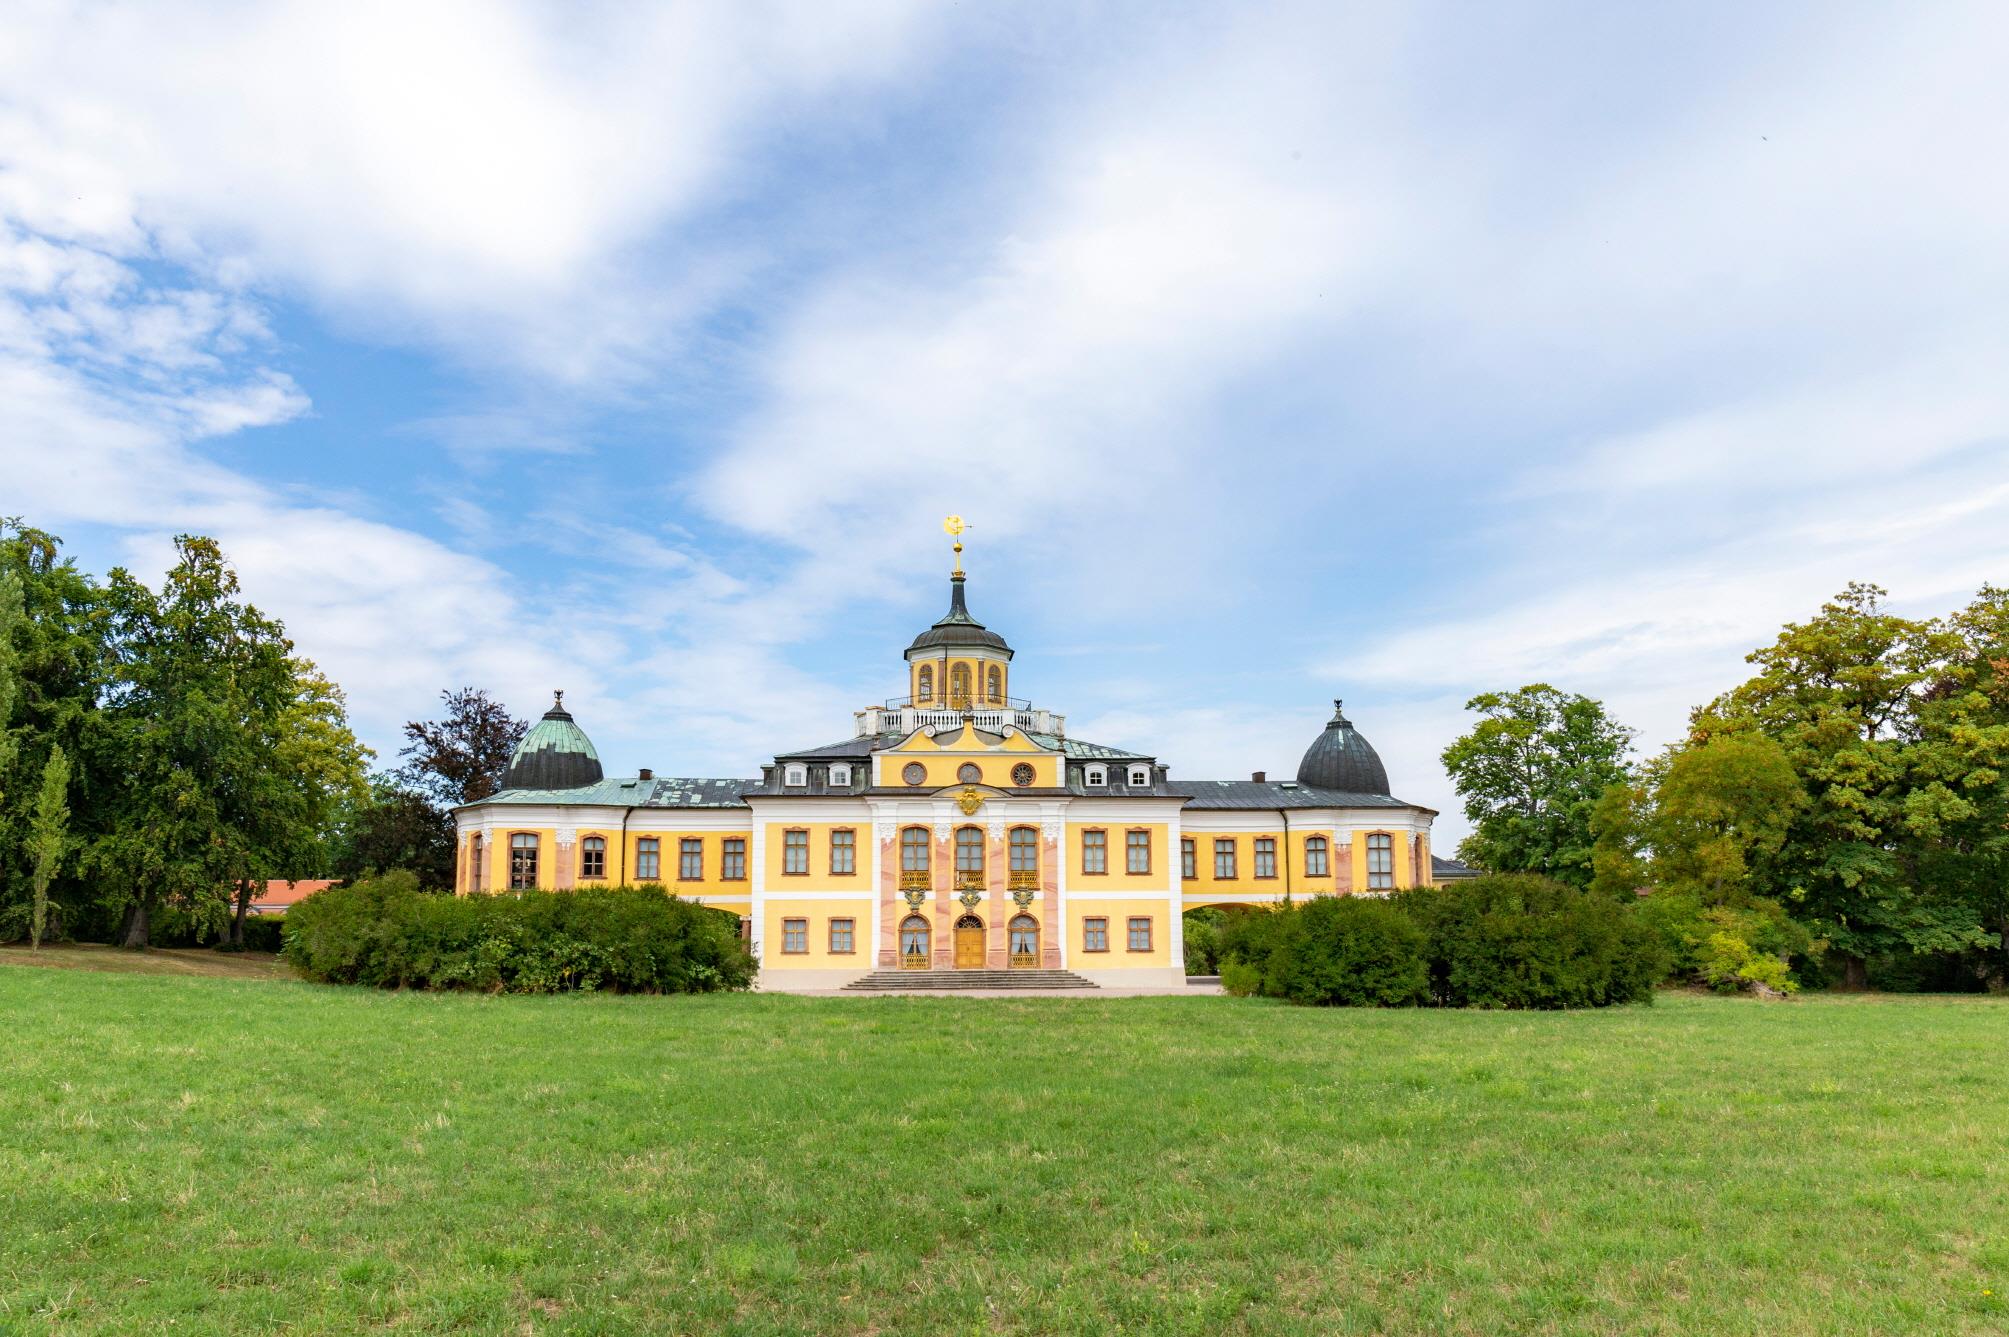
[1252, 794]
[957, 627]
[663, 791]
[1339, 758]
[1440, 869]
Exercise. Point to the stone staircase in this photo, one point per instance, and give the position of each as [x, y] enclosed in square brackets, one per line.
[954, 981]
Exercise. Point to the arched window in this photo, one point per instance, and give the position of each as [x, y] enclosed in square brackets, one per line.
[959, 687]
[914, 943]
[994, 685]
[474, 856]
[969, 857]
[914, 852]
[924, 685]
[522, 861]
[1023, 845]
[593, 857]
[1314, 857]
[1024, 941]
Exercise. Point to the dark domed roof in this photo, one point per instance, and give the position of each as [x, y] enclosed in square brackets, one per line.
[1341, 759]
[555, 754]
[958, 629]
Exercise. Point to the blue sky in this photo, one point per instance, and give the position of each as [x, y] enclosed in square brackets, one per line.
[1274, 352]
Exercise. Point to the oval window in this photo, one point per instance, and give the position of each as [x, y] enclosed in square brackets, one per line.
[1021, 774]
[915, 773]
[969, 772]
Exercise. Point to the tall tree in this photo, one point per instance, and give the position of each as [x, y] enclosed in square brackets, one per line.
[1844, 695]
[395, 828]
[1700, 819]
[57, 656]
[1531, 772]
[461, 758]
[48, 838]
[199, 678]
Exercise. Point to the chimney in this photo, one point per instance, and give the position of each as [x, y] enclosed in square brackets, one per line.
[1260, 777]
[648, 774]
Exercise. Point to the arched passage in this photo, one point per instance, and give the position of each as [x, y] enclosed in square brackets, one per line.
[914, 937]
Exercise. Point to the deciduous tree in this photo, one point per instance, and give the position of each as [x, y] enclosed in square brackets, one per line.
[461, 758]
[1530, 773]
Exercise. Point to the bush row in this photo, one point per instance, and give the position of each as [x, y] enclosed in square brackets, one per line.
[385, 932]
[1505, 941]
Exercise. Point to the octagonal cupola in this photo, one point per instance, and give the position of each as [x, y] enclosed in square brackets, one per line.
[555, 754]
[1340, 759]
[959, 663]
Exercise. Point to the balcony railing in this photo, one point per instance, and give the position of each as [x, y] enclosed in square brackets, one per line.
[916, 879]
[1022, 879]
[970, 879]
[951, 701]
[904, 719]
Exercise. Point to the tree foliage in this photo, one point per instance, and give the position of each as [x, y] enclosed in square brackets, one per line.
[461, 758]
[1530, 773]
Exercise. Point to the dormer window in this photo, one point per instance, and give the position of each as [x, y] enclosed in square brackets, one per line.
[840, 777]
[795, 776]
[1140, 776]
[1095, 776]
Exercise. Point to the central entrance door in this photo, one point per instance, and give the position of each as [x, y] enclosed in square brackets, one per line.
[969, 943]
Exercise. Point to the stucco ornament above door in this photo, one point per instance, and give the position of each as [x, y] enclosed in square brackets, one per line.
[970, 800]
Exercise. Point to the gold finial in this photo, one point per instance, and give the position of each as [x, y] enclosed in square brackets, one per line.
[953, 525]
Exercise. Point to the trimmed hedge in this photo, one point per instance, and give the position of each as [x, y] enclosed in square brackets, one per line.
[386, 933]
[1506, 941]
[1519, 940]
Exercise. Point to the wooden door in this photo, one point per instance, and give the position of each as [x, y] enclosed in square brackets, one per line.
[969, 943]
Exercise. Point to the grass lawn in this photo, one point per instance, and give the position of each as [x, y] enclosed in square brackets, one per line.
[241, 1156]
[199, 961]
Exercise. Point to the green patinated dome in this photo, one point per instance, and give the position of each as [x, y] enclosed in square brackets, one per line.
[555, 754]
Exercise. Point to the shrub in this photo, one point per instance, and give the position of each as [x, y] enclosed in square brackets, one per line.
[387, 933]
[1725, 947]
[1519, 940]
[1355, 952]
[1244, 979]
[1203, 942]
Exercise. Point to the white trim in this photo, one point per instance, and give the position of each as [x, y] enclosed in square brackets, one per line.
[1159, 896]
[819, 895]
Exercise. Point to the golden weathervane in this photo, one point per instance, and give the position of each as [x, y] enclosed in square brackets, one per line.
[953, 526]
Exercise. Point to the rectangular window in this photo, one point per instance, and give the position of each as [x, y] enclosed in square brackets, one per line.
[794, 937]
[593, 857]
[691, 860]
[1224, 860]
[1140, 933]
[795, 852]
[843, 937]
[1266, 856]
[1314, 857]
[843, 853]
[648, 858]
[1095, 935]
[1094, 851]
[1189, 858]
[1380, 862]
[522, 862]
[732, 859]
[1137, 851]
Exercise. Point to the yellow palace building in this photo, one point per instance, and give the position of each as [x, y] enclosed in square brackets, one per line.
[957, 828]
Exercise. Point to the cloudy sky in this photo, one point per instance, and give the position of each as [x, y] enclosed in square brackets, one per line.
[1274, 352]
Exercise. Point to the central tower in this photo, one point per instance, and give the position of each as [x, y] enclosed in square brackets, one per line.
[959, 664]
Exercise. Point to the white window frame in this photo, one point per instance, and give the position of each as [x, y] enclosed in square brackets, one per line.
[1140, 775]
[1096, 776]
[840, 775]
[795, 776]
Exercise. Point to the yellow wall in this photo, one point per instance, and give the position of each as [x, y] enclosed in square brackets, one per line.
[819, 854]
[1298, 883]
[819, 914]
[1163, 873]
[996, 768]
[1119, 914]
[668, 849]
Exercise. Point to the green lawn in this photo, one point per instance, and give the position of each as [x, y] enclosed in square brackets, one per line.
[222, 1155]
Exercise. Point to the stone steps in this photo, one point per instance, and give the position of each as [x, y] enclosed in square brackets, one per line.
[949, 981]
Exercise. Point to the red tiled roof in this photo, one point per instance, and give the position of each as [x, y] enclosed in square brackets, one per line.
[280, 893]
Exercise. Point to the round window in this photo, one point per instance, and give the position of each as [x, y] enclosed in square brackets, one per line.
[1021, 775]
[969, 772]
[915, 773]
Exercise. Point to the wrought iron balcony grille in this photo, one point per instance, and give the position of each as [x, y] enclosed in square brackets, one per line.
[970, 879]
[1022, 879]
[916, 879]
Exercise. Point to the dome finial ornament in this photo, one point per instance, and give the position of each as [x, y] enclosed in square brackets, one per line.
[558, 698]
[953, 525]
[1340, 759]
